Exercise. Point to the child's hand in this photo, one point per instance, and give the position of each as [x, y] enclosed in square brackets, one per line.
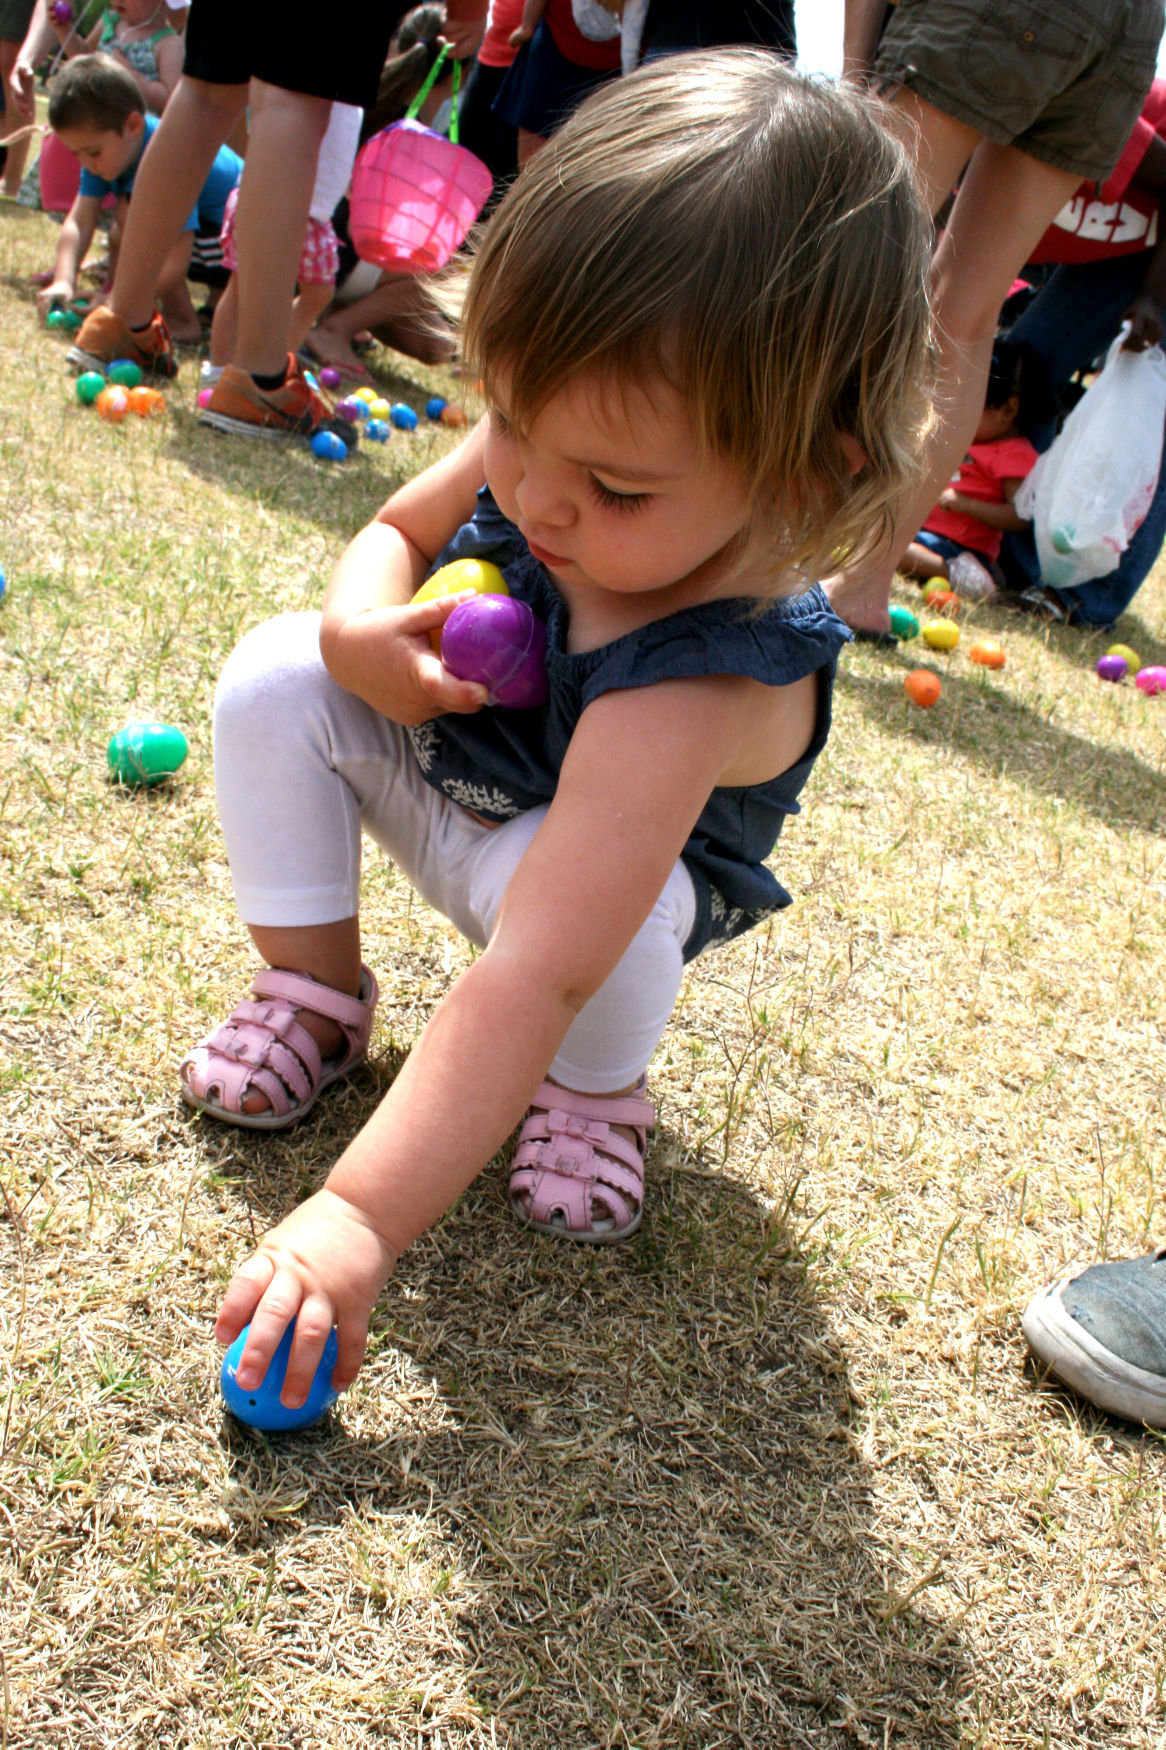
[1145, 319]
[385, 657]
[324, 1265]
[950, 499]
[53, 297]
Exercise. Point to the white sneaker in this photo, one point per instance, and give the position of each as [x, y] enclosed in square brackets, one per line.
[971, 579]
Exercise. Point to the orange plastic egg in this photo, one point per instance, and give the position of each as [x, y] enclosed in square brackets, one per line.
[988, 653]
[145, 401]
[452, 416]
[922, 687]
[114, 403]
[944, 601]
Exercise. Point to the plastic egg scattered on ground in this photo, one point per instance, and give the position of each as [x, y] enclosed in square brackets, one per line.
[1151, 680]
[351, 409]
[259, 1407]
[1112, 668]
[329, 447]
[933, 586]
[988, 653]
[145, 753]
[1132, 660]
[113, 403]
[904, 623]
[56, 319]
[330, 377]
[203, 397]
[145, 402]
[378, 407]
[3, 586]
[502, 645]
[941, 635]
[378, 431]
[922, 687]
[365, 393]
[943, 601]
[403, 417]
[452, 416]
[435, 407]
[125, 372]
[89, 386]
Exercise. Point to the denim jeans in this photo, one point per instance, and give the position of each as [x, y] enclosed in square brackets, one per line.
[1072, 320]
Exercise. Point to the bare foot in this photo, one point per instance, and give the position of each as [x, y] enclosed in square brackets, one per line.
[333, 349]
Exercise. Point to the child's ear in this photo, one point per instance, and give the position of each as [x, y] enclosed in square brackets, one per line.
[134, 124]
[856, 456]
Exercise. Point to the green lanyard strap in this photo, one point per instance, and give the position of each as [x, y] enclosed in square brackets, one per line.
[434, 74]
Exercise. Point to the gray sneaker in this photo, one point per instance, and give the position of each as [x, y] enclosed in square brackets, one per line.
[1104, 1334]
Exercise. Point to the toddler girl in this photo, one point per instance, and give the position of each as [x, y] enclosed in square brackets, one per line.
[701, 324]
[961, 539]
[137, 33]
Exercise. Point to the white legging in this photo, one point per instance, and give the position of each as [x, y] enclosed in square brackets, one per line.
[301, 765]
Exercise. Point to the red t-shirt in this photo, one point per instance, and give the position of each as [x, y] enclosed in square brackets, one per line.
[574, 46]
[505, 17]
[1118, 219]
[982, 474]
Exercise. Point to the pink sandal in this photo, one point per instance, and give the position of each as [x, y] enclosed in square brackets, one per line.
[574, 1176]
[262, 1047]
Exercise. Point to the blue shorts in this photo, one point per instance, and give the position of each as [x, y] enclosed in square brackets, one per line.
[943, 545]
[542, 86]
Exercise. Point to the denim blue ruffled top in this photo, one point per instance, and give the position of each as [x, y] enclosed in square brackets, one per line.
[500, 763]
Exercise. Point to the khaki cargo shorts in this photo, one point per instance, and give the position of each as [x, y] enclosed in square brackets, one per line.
[1063, 80]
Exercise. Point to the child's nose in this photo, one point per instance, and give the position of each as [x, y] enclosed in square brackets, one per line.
[541, 499]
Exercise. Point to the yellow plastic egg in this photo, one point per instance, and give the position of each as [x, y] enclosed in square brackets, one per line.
[364, 394]
[941, 634]
[461, 574]
[378, 407]
[1131, 658]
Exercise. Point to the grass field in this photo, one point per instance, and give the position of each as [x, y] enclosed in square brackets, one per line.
[773, 1474]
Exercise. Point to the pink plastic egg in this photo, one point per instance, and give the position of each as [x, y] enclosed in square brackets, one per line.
[498, 642]
[1152, 680]
[204, 396]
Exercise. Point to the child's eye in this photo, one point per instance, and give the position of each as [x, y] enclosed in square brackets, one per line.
[618, 501]
[499, 424]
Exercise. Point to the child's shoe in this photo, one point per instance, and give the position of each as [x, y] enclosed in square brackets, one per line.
[103, 337]
[238, 405]
[971, 579]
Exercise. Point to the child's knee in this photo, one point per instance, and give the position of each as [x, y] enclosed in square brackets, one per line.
[272, 672]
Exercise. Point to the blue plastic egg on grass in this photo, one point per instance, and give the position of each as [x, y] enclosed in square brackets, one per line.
[3, 586]
[126, 373]
[260, 1407]
[378, 431]
[145, 753]
[403, 417]
[435, 407]
[329, 447]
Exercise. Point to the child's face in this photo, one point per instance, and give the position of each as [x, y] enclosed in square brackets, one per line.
[997, 422]
[105, 151]
[611, 491]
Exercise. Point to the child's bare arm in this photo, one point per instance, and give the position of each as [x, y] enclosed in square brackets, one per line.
[372, 641]
[76, 236]
[993, 516]
[638, 772]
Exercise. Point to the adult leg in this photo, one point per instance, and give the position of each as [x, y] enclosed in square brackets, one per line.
[271, 218]
[18, 150]
[197, 120]
[1006, 201]
[173, 296]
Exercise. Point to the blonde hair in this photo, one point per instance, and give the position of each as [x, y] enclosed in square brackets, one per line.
[757, 239]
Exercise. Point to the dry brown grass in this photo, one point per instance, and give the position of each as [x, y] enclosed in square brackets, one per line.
[775, 1474]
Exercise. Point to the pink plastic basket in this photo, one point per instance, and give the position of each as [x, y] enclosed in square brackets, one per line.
[415, 194]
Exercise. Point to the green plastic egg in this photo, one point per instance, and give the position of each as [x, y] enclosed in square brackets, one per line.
[126, 373]
[56, 319]
[145, 753]
[903, 623]
[89, 387]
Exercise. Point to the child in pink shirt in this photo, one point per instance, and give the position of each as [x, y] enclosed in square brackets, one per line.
[960, 540]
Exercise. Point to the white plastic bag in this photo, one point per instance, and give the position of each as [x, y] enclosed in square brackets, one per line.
[1090, 491]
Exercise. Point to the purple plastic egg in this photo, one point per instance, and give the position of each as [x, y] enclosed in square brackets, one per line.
[1152, 680]
[502, 645]
[1111, 668]
[351, 409]
[330, 377]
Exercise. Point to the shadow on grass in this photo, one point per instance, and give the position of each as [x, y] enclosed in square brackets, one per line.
[642, 1463]
[1007, 738]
